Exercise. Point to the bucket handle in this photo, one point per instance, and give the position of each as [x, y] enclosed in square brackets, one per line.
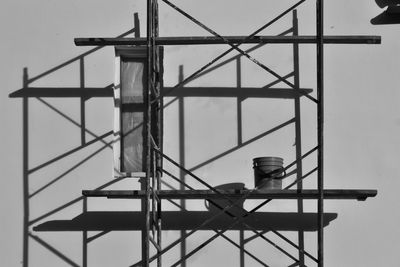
[273, 174]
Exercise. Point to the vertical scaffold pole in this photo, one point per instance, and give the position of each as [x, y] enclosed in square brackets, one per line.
[83, 142]
[84, 237]
[159, 117]
[320, 119]
[181, 106]
[239, 101]
[297, 112]
[25, 166]
[156, 124]
[146, 237]
[82, 99]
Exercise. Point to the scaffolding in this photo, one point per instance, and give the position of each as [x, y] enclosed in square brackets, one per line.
[152, 220]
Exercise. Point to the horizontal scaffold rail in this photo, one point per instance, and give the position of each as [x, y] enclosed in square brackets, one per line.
[204, 40]
[170, 92]
[358, 194]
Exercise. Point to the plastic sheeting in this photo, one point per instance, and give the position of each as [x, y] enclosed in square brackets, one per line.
[129, 92]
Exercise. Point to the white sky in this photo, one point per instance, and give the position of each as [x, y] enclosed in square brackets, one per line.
[362, 121]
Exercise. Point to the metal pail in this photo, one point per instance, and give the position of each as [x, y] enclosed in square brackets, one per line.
[268, 172]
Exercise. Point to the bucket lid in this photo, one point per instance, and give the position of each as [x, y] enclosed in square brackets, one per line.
[269, 159]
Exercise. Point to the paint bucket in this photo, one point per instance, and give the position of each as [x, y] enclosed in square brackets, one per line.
[222, 203]
[268, 172]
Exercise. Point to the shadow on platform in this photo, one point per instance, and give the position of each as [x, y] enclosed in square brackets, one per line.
[185, 220]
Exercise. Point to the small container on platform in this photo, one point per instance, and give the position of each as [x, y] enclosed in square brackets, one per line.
[236, 209]
[268, 172]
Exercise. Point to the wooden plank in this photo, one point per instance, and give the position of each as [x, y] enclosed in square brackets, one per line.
[203, 40]
[359, 194]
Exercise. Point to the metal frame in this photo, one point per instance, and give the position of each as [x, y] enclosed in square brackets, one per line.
[151, 193]
[235, 43]
[145, 261]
